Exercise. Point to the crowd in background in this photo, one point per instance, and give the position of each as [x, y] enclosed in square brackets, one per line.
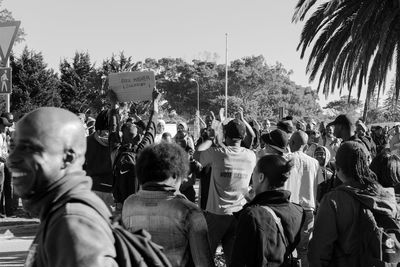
[268, 192]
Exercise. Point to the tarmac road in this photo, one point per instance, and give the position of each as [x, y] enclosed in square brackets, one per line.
[16, 235]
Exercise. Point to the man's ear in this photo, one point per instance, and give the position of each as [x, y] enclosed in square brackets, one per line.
[261, 178]
[69, 157]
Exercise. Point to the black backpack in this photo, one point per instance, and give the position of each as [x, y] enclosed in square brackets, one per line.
[132, 249]
[379, 237]
[125, 182]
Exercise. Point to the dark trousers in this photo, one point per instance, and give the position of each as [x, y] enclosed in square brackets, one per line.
[7, 203]
[221, 229]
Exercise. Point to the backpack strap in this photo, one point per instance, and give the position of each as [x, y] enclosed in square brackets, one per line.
[278, 224]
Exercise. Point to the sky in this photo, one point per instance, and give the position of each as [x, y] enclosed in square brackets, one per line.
[162, 28]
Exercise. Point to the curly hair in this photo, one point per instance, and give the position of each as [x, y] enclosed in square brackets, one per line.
[352, 159]
[159, 162]
[275, 168]
[386, 166]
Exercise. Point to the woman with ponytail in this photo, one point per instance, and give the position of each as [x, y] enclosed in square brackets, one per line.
[259, 238]
[337, 230]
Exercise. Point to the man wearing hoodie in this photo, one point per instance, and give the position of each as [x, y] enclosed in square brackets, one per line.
[46, 165]
[336, 237]
[325, 173]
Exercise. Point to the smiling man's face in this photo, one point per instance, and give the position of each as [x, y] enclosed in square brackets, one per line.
[36, 158]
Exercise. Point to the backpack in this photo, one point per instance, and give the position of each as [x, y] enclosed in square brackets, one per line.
[380, 236]
[125, 182]
[132, 249]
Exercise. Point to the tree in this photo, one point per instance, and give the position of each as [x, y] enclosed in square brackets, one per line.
[345, 106]
[257, 87]
[34, 85]
[80, 83]
[355, 44]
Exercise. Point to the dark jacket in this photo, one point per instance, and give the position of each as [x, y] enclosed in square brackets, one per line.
[98, 164]
[70, 234]
[335, 240]
[258, 241]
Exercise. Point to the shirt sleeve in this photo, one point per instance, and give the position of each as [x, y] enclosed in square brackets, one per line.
[324, 235]
[150, 134]
[198, 240]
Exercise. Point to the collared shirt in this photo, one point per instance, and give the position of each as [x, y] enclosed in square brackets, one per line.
[303, 181]
[173, 222]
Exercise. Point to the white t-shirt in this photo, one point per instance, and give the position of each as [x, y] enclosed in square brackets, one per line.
[303, 180]
[231, 169]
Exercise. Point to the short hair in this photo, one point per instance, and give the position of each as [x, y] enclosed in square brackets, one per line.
[275, 168]
[386, 166]
[159, 162]
[165, 135]
[352, 159]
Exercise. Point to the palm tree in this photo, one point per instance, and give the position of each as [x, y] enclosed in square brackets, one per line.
[355, 43]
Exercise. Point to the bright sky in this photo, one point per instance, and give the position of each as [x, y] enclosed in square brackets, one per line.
[156, 29]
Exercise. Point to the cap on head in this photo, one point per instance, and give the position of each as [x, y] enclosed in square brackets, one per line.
[342, 119]
[141, 125]
[286, 125]
[9, 116]
[5, 122]
[277, 139]
[235, 129]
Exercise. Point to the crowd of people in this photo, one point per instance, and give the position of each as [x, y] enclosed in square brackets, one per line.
[292, 195]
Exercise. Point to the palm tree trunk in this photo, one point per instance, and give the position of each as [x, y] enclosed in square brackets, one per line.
[366, 107]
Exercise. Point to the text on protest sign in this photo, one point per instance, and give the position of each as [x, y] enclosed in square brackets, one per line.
[132, 86]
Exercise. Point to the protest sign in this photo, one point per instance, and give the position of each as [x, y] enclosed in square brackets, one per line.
[132, 86]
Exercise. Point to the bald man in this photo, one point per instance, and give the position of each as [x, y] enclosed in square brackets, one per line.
[46, 164]
[302, 184]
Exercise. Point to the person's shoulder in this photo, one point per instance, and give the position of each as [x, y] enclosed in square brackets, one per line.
[257, 214]
[338, 195]
[183, 203]
[74, 215]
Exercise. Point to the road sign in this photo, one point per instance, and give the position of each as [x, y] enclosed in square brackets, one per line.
[5, 80]
[8, 33]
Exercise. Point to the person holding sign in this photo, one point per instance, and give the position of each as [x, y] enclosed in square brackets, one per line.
[124, 150]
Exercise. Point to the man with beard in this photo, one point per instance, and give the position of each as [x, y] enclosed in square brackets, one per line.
[46, 165]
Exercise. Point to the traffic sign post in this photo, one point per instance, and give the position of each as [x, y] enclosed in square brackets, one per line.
[8, 33]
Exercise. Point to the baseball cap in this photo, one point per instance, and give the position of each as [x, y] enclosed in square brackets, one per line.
[5, 122]
[277, 139]
[286, 125]
[140, 124]
[342, 119]
[235, 129]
